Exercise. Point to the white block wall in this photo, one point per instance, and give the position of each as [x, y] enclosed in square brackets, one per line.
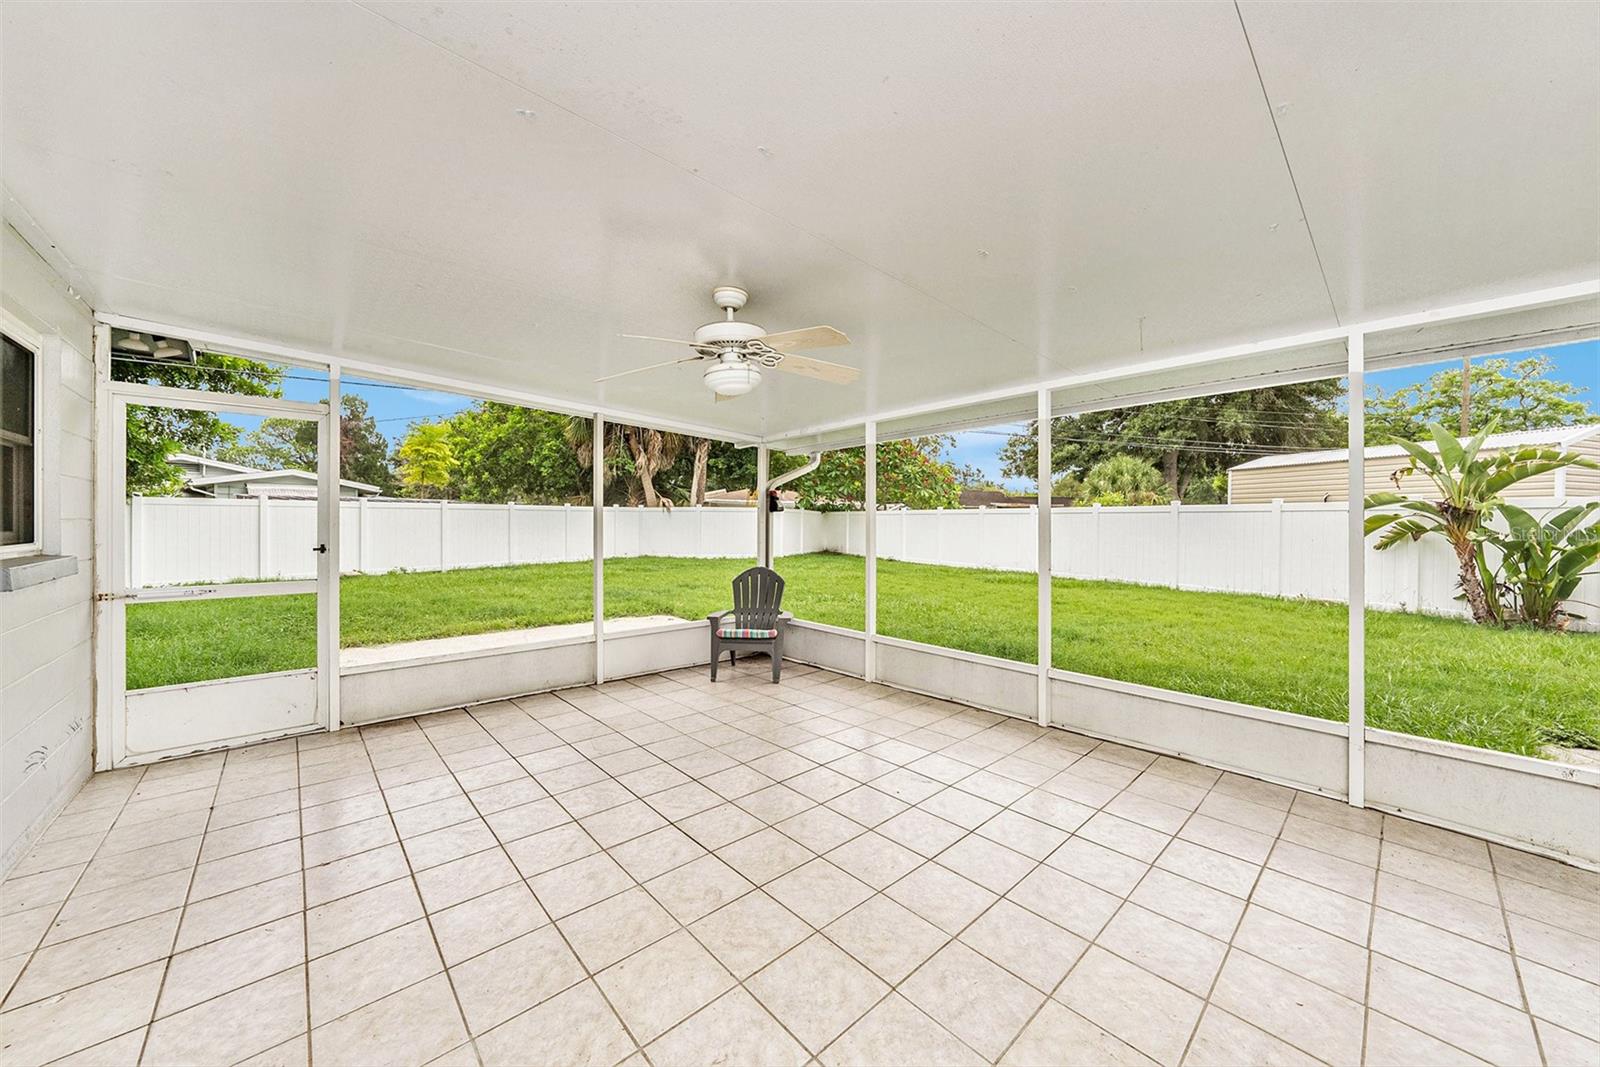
[46, 664]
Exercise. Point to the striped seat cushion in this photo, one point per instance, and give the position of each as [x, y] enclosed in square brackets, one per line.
[737, 631]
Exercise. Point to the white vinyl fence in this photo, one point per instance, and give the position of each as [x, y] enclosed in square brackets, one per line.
[1277, 549]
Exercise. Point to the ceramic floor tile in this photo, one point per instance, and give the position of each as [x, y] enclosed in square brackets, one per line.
[1292, 1008]
[604, 933]
[977, 1001]
[818, 892]
[1305, 950]
[698, 888]
[54, 1027]
[1057, 1035]
[69, 964]
[890, 939]
[579, 884]
[576, 1027]
[413, 1026]
[765, 855]
[505, 981]
[732, 1029]
[225, 965]
[1071, 904]
[234, 1026]
[1474, 1023]
[342, 922]
[986, 863]
[658, 987]
[1182, 955]
[477, 925]
[370, 970]
[1146, 1012]
[749, 933]
[1447, 955]
[816, 991]
[896, 1032]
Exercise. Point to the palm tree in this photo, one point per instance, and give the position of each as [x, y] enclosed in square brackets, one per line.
[702, 458]
[651, 452]
[1469, 487]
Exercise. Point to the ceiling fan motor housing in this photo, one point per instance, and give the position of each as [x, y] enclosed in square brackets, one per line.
[729, 334]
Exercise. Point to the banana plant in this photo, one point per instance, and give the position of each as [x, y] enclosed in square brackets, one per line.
[1468, 486]
[1541, 563]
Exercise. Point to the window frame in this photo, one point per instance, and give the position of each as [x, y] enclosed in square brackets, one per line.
[24, 337]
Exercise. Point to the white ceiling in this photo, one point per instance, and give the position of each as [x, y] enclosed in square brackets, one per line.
[981, 195]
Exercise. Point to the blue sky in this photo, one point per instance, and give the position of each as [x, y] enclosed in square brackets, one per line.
[396, 407]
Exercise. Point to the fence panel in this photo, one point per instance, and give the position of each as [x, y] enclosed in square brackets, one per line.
[1291, 550]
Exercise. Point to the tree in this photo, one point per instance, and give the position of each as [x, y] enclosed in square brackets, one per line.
[508, 453]
[1191, 440]
[155, 433]
[1469, 487]
[1513, 396]
[969, 477]
[1125, 480]
[700, 450]
[426, 459]
[909, 472]
[363, 450]
[291, 444]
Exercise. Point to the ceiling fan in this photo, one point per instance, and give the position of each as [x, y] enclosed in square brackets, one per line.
[737, 352]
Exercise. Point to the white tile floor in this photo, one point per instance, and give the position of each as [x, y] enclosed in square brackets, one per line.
[672, 872]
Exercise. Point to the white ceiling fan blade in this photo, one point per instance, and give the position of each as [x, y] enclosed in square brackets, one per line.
[653, 366]
[647, 337]
[810, 337]
[820, 369]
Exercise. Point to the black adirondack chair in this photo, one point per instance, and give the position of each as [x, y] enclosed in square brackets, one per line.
[755, 623]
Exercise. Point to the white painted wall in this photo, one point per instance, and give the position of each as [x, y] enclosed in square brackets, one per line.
[46, 675]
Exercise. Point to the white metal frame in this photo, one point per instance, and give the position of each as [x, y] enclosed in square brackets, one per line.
[33, 341]
[1352, 336]
[112, 596]
[1356, 587]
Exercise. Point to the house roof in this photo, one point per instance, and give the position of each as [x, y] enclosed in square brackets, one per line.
[985, 197]
[252, 475]
[1558, 436]
[190, 457]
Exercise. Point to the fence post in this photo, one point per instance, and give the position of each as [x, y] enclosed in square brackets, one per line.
[1094, 560]
[511, 518]
[263, 538]
[363, 533]
[1277, 546]
[444, 556]
[1177, 550]
[136, 542]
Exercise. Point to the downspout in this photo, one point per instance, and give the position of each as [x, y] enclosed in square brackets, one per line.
[810, 465]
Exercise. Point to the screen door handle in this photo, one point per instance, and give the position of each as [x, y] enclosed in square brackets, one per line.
[320, 548]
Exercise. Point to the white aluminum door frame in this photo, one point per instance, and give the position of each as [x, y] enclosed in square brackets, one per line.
[113, 591]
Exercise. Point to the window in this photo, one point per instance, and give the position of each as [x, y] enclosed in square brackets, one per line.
[19, 472]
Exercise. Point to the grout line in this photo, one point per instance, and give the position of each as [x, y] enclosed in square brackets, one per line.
[305, 896]
[427, 916]
[1516, 962]
[166, 964]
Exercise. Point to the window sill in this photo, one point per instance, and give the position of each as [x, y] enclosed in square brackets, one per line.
[20, 572]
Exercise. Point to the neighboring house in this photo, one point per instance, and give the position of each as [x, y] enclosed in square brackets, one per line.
[746, 498]
[204, 476]
[1305, 477]
[996, 498]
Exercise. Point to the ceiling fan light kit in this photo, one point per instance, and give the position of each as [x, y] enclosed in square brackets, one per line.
[739, 351]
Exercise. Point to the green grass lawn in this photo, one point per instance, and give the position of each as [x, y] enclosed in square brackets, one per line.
[1440, 678]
